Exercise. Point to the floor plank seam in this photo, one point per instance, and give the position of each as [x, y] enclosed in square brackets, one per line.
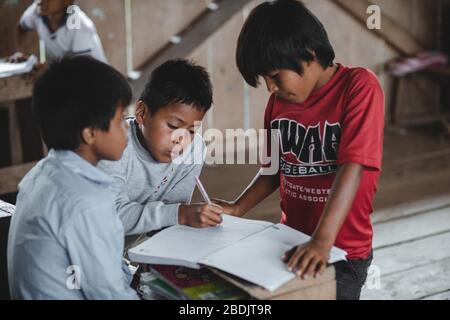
[434, 294]
[446, 206]
[415, 267]
[411, 240]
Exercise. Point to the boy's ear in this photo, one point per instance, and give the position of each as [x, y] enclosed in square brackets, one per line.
[141, 112]
[88, 135]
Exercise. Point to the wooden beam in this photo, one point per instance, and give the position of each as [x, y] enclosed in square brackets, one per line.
[16, 88]
[150, 31]
[191, 37]
[394, 35]
[11, 176]
[109, 19]
[15, 135]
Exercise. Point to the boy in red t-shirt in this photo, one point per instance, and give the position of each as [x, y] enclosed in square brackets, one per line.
[330, 119]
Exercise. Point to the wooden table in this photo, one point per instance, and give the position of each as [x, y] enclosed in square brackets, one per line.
[439, 75]
[15, 88]
[21, 135]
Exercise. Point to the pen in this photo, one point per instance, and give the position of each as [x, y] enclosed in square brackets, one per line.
[202, 190]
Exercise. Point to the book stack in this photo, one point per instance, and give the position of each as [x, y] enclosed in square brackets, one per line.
[181, 283]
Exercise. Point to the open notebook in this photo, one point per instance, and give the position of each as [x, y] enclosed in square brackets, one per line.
[248, 249]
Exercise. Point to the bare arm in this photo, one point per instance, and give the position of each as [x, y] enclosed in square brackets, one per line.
[339, 203]
[260, 188]
[311, 258]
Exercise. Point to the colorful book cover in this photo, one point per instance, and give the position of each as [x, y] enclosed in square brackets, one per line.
[159, 287]
[198, 284]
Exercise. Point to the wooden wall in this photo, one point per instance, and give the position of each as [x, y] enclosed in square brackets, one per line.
[109, 18]
[10, 13]
[154, 21]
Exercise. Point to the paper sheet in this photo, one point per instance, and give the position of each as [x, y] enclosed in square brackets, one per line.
[11, 69]
[257, 259]
[187, 246]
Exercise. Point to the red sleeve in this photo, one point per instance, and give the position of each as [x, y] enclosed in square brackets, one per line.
[267, 128]
[363, 123]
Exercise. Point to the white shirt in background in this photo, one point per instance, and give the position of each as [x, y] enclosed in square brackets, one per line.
[82, 40]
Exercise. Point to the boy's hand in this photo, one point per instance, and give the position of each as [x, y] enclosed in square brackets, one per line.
[17, 58]
[200, 215]
[308, 260]
[229, 208]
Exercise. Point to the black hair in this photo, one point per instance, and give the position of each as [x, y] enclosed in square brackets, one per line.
[178, 81]
[75, 93]
[280, 35]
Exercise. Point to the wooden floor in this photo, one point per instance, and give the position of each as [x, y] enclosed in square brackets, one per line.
[412, 251]
[411, 218]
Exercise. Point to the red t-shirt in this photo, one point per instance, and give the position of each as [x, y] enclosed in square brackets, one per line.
[342, 122]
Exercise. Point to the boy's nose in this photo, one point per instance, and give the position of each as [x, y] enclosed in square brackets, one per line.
[178, 139]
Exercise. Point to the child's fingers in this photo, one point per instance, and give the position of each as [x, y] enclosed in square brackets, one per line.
[321, 269]
[215, 208]
[311, 268]
[295, 260]
[303, 263]
[288, 254]
[213, 216]
[207, 223]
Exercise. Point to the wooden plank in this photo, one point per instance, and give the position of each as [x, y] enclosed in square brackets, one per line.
[228, 83]
[320, 288]
[154, 22]
[410, 228]
[109, 19]
[10, 177]
[411, 208]
[413, 284]
[15, 135]
[16, 88]
[412, 254]
[397, 37]
[429, 181]
[192, 37]
[323, 291]
[10, 13]
[440, 296]
[5, 155]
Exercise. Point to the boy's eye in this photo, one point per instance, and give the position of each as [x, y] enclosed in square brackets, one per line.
[171, 126]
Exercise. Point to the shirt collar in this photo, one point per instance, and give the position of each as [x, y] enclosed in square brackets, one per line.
[80, 166]
[61, 24]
